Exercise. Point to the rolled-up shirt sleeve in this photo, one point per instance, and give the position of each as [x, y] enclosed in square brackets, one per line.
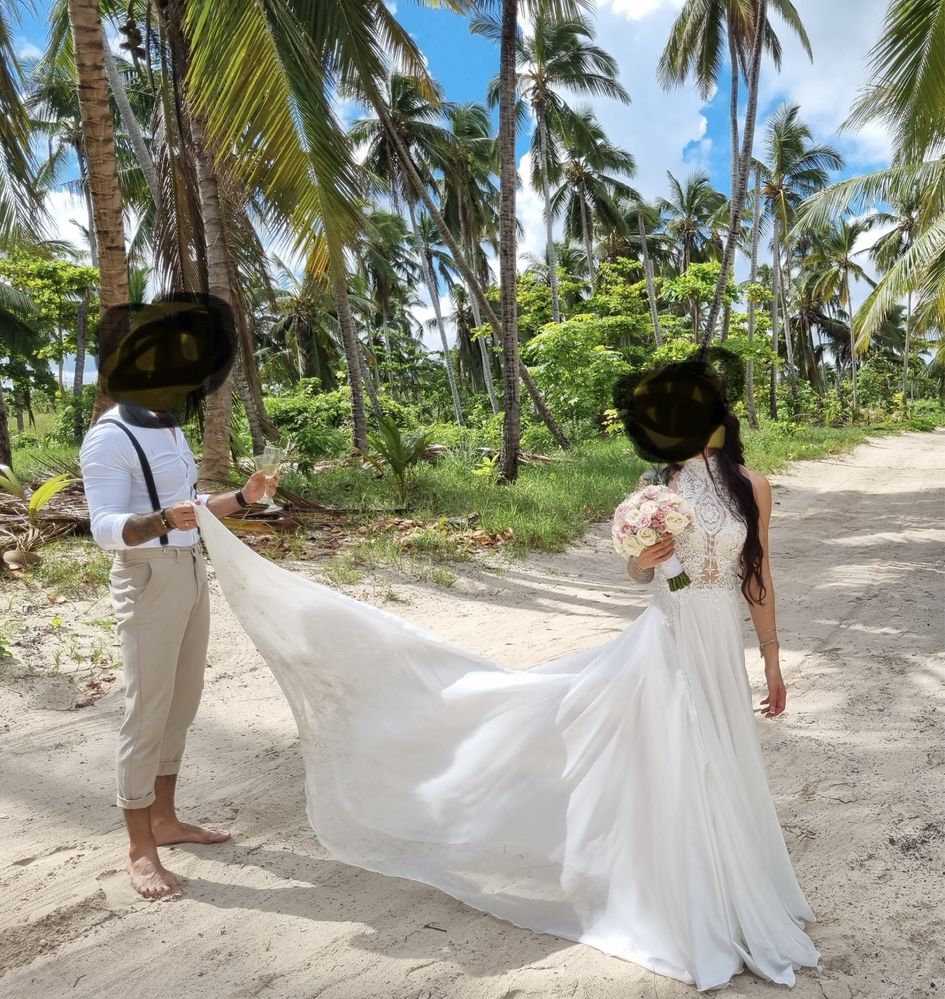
[106, 475]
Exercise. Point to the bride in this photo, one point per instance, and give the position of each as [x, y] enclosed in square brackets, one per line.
[615, 796]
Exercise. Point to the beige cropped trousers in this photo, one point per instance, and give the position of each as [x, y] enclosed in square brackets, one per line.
[161, 601]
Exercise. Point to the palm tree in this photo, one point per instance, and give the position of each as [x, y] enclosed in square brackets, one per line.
[753, 279]
[99, 138]
[796, 168]
[690, 212]
[696, 45]
[589, 171]
[470, 201]
[901, 226]
[436, 259]
[417, 121]
[905, 93]
[21, 211]
[508, 263]
[386, 262]
[558, 54]
[834, 265]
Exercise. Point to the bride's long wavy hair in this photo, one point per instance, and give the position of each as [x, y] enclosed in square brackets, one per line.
[737, 489]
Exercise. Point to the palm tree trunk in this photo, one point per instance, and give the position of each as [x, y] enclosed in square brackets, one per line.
[459, 258]
[349, 340]
[6, 451]
[81, 339]
[215, 461]
[508, 271]
[98, 133]
[741, 185]
[84, 180]
[846, 280]
[752, 279]
[775, 297]
[435, 300]
[733, 134]
[788, 335]
[905, 357]
[550, 252]
[132, 129]
[486, 357]
[248, 384]
[587, 231]
[648, 271]
[256, 433]
[369, 385]
[788, 339]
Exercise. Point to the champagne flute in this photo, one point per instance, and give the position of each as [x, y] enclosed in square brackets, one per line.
[269, 462]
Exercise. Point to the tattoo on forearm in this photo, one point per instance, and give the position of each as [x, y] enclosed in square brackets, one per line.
[142, 527]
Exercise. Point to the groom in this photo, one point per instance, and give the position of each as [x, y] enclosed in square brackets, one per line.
[140, 485]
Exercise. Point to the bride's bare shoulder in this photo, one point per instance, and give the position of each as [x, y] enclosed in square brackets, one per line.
[760, 485]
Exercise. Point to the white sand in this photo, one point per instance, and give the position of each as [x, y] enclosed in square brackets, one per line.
[857, 769]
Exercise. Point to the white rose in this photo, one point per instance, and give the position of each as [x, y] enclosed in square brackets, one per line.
[675, 522]
[632, 545]
[646, 536]
[649, 507]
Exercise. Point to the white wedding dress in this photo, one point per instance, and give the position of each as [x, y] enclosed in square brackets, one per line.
[616, 796]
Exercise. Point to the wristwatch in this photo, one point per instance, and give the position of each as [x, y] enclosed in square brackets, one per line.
[241, 499]
[167, 524]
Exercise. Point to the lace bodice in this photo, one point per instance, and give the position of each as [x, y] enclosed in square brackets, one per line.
[711, 549]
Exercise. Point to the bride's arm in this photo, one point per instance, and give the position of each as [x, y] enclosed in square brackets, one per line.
[763, 614]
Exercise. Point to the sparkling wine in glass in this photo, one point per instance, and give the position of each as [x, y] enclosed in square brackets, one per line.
[269, 462]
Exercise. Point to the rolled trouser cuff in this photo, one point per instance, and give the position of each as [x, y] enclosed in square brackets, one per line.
[133, 803]
[169, 769]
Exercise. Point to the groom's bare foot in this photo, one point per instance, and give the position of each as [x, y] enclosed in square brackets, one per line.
[151, 879]
[169, 833]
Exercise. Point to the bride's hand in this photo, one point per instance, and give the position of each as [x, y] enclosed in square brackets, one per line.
[774, 703]
[655, 554]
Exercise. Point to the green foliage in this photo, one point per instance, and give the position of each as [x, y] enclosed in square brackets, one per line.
[56, 288]
[698, 285]
[621, 291]
[64, 430]
[396, 453]
[319, 423]
[44, 493]
[10, 483]
[575, 365]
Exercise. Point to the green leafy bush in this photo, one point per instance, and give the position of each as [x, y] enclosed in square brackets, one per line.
[575, 365]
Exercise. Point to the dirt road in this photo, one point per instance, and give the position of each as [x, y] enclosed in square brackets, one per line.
[857, 769]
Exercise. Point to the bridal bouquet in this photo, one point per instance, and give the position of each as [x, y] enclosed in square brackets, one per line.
[647, 516]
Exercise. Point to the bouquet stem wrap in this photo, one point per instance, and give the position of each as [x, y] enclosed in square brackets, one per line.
[675, 573]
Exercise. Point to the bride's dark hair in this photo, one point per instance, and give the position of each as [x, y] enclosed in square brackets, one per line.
[741, 498]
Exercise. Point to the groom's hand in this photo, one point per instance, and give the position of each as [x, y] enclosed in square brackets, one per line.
[183, 516]
[256, 486]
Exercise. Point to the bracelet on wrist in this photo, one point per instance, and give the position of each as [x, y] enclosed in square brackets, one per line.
[769, 641]
[167, 524]
[241, 499]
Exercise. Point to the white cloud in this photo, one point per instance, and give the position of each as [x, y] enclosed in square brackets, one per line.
[529, 207]
[636, 10]
[67, 212]
[27, 50]
[841, 35]
[659, 126]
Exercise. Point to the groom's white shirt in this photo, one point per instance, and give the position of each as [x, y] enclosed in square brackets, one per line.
[114, 482]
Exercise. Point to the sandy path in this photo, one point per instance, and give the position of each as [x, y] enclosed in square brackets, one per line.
[857, 768]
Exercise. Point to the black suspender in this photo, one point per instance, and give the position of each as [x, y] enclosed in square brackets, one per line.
[145, 467]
